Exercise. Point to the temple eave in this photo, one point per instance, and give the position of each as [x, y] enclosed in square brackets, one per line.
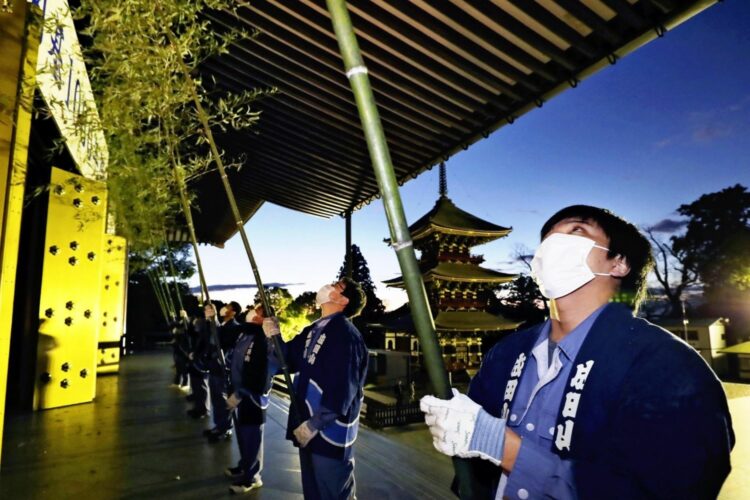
[472, 321]
[470, 233]
[399, 282]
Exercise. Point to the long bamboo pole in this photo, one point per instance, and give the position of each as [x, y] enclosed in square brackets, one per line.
[164, 285]
[356, 71]
[267, 307]
[156, 283]
[205, 298]
[182, 317]
[179, 178]
[173, 272]
[157, 293]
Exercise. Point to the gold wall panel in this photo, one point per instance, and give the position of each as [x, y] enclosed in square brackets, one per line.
[108, 360]
[69, 308]
[18, 54]
[113, 288]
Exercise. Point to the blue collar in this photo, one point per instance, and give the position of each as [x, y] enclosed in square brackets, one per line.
[571, 344]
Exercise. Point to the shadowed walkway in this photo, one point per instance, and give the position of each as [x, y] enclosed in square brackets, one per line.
[135, 441]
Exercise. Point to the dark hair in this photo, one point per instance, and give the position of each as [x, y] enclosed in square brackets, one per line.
[236, 306]
[624, 240]
[357, 299]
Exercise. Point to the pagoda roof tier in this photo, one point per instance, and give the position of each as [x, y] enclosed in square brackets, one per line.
[453, 321]
[447, 218]
[452, 271]
[459, 321]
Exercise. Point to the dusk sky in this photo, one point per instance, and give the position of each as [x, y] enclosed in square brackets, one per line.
[663, 126]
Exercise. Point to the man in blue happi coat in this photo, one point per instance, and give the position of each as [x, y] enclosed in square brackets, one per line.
[593, 403]
[227, 333]
[250, 388]
[330, 359]
[199, 358]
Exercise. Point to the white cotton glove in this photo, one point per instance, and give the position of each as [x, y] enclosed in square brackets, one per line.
[271, 326]
[304, 433]
[452, 424]
[233, 401]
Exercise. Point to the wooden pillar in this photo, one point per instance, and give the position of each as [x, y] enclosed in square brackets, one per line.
[19, 41]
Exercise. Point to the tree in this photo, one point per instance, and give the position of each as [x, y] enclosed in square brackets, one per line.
[717, 239]
[151, 277]
[674, 269]
[374, 308]
[711, 254]
[156, 111]
[279, 297]
[361, 274]
[292, 319]
[520, 300]
[304, 305]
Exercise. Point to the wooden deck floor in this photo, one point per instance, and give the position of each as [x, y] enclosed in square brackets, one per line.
[135, 441]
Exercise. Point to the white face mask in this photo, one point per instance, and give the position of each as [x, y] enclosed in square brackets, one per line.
[324, 295]
[559, 265]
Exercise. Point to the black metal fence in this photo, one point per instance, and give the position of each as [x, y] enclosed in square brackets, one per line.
[376, 413]
[380, 415]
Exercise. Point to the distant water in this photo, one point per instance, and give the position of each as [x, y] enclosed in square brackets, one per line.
[244, 294]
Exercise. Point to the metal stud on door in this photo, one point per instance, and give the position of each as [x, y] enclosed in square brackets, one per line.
[112, 289]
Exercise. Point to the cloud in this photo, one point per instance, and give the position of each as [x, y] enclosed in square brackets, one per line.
[240, 286]
[667, 141]
[708, 133]
[668, 226]
[739, 105]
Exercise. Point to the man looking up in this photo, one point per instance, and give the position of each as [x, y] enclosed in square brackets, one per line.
[199, 361]
[228, 332]
[330, 359]
[593, 403]
[251, 385]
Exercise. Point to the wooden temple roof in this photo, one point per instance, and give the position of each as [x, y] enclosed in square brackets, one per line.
[458, 272]
[445, 74]
[445, 217]
[451, 321]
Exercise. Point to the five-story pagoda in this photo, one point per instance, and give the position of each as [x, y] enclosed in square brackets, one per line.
[457, 286]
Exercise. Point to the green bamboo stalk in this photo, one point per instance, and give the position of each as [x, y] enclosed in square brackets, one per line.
[159, 298]
[168, 292]
[400, 237]
[179, 178]
[172, 270]
[162, 281]
[294, 406]
[158, 292]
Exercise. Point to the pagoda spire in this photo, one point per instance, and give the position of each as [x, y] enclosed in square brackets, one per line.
[443, 181]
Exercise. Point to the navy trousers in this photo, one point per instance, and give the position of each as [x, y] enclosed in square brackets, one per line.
[250, 443]
[219, 411]
[199, 384]
[325, 478]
